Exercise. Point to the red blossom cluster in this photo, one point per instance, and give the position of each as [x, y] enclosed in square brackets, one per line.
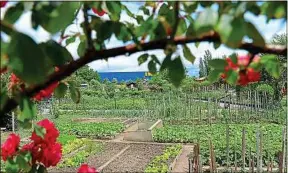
[99, 13]
[16, 83]
[84, 168]
[3, 3]
[45, 150]
[246, 73]
[10, 147]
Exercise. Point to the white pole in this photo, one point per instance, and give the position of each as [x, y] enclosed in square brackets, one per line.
[13, 122]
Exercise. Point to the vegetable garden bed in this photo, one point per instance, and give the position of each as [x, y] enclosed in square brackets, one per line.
[135, 158]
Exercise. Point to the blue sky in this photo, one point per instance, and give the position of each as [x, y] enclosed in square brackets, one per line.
[125, 63]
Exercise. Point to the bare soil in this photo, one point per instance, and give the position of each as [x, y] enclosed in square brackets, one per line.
[110, 149]
[135, 159]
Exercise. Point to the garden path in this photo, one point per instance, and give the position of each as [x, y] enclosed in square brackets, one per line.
[182, 162]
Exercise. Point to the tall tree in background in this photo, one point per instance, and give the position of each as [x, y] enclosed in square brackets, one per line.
[86, 74]
[203, 65]
[277, 84]
[207, 57]
[201, 68]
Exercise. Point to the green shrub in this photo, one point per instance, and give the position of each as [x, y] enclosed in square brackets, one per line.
[265, 88]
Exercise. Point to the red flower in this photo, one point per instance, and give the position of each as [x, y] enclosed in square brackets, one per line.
[3, 3]
[256, 59]
[84, 168]
[230, 65]
[99, 13]
[47, 92]
[243, 79]
[51, 155]
[51, 133]
[35, 150]
[10, 147]
[252, 75]
[243, 61]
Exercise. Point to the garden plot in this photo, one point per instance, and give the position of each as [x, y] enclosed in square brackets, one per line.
[135, 158]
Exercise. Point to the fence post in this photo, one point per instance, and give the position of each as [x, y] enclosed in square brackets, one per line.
[13, 122]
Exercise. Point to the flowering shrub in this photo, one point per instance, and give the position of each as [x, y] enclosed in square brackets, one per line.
[41, 153]
[244, 68]
[17, 84]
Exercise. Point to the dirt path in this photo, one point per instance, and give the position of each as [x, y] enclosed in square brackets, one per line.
[182, 163]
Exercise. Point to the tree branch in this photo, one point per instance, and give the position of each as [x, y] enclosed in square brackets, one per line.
[87, 29]
[92, 55]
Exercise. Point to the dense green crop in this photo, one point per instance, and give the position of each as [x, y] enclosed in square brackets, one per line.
[161, 163]
[93, 130]
[217, 133]
[80, 157]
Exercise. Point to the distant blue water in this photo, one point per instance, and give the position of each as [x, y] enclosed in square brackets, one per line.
[133, 76]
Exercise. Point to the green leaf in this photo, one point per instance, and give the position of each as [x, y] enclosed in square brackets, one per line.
[58, 55]
[182, 27]
[127, 11]
[219, 64]
[61, 90]
[23, 160]
[114, 10]
[216, 45]
[70, 40]
[28, 110]
[253, 33]
[143, 58]
[234, 58]
[231, 30]
[166, 62]
[74, 92]
[42, 169]
[176, 71]
[62, 16]
[188, 54]
[121, 32]
[40, 131]
[155, 59]
[13, 13]
[271, 64]
[105, 30]
[190, 8]
[241, 9]
[197, 44]
[214, 75]
[11, 166]
[3, 98]
[152, 67]
[232, 77]
[22, 59]
[205, 21]
[82, 48]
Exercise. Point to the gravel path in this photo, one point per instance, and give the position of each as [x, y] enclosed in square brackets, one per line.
[135, 158]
